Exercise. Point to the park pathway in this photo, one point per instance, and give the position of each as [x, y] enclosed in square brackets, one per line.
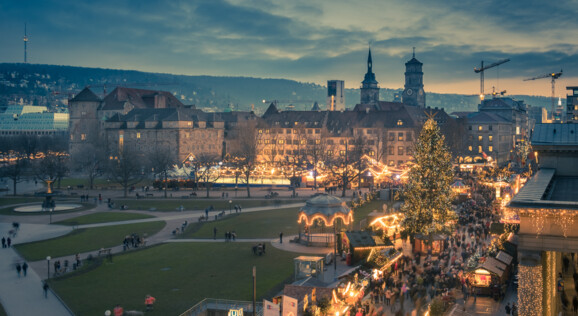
[25, 296]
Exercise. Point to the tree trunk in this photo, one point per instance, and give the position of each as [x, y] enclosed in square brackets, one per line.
[165, 185]
[14, 183]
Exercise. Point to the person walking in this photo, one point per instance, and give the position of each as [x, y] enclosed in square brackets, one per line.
[214, 233]
[8, 242]
[18, 268]
[45, 288]
[508, 309]
[149, 301]
[24, 268]
[281, 237]
[3, 242]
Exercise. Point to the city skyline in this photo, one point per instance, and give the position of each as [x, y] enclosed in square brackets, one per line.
[304, 41]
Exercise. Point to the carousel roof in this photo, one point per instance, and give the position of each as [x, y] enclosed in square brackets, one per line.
[326, 207]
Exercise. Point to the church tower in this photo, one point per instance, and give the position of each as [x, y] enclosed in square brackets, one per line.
[413, 93]
[369, 88]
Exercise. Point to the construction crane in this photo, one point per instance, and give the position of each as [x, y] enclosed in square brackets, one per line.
[483, 68]
[553, 76]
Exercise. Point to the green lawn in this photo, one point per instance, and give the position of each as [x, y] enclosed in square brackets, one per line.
[265, 224]
[362, 212]
[197, 204]
[9, 200]
[178, 276]
[10, 210]
[2, 311]
[102, 217]
[83, 240]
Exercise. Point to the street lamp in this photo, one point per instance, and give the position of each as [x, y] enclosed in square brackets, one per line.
[230, 207]
[48, 266]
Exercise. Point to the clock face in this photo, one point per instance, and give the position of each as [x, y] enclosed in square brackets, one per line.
[409, 92]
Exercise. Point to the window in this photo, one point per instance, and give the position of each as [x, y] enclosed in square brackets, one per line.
[479, 149]
[318, 141]
[309, 131]
[408, 151]
[490, 148]
[390, 150]
[371, 153]
[490, 138]
[71, 136]
[371, 142]
[400, 150]
[391, 137]
[83, 136]
[342, 152]
[517, 130]
[260, 131]
[341, 142]
[281, 141]
[317, 131]
[408, 137]
[302, 142]
[391, 163]
[480, 127]
[470, 148]
[400, 136]
[480, 138]
[330, 153]
[138, 135]
[400, 162]
[399, 122]
[288, 131]
[490, 127]
[189, 123]
[470, 127]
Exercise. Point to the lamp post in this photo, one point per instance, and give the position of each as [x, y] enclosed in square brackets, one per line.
[334, 250]
[230, 206]
[48, 266]
[254, 290]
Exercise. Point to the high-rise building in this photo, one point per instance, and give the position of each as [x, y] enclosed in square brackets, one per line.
[335, 95]
[413, 93]
[369, 87]
[572, 105]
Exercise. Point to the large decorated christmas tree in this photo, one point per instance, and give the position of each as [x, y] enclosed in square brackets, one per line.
[427, 193]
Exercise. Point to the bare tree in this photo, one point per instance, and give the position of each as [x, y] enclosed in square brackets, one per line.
[126, 169]
[91, 162]
[162, 160]
[52, 167]
[341, 166]
[245, 159]
[316, 153]
[15, 170]
[207, 169]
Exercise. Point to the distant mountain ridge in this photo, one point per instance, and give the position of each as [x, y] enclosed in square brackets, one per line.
[51, 85]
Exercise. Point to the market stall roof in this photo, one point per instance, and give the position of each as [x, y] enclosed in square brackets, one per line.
[493, 265]
[359, 239]
[327, 208]
[435, 237]
[504, 257]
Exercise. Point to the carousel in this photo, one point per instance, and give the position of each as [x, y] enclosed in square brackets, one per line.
[321, 219]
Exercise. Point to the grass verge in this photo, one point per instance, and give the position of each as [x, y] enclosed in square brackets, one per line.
[84, 240]
[171, 205]
[177, 275]
[102, 217]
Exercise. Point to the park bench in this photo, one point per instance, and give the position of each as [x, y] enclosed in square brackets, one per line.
[106, 252]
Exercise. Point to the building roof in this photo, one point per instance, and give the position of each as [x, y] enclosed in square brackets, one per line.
[327, 208]
[504, 103]
[485, 118]
[85, 95]
[544, 190]
[138, 98]
[494, 265]
[165, 114]
[361, 239]
[555, 134]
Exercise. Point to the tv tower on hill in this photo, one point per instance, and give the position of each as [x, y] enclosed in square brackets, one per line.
[25, 39]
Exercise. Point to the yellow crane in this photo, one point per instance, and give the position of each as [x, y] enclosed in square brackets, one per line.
[553, 76]
[481, 72]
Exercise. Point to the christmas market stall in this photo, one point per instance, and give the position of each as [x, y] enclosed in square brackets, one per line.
[321, 219]
[422, 244]
[491, 274]
[308, 266]
[359, 244]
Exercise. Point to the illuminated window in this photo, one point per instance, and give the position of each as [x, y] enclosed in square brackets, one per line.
[71, 136]
[480, 138]
[400, 150]
[318, 141]
[372, 153]
[189, 123]
[260, 131]
[259, 142]
[390, 150]
[470, 148]
[480, 128]
[490, 138]
[329, 153]
[281, 141]
[294, 131]
[391, 163]
[296, 123]
[267, 141]
[391, 136]
[302, 142]
[479, 149]
[491, 148]
[82, 136]
[399, 122]
[400, 136]
[138, 135]
[342, 152]
[266, 131]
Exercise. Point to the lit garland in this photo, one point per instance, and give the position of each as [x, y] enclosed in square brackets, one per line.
[550, 279]
[564, 218]
[530, 291]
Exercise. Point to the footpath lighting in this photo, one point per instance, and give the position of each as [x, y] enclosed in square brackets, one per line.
[48, 266]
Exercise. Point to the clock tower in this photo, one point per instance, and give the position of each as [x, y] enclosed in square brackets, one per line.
[413, 93]
[369, 88]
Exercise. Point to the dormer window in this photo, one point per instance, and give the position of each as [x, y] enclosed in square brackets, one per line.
[399, 123]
